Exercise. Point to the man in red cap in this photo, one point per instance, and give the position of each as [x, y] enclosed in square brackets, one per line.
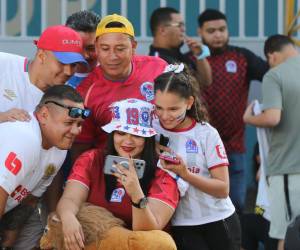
[22, 84]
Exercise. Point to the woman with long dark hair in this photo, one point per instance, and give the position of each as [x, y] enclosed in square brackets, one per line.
[144, 204]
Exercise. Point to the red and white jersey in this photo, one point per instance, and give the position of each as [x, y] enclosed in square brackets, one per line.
[99, 93]
[16, 90]
[25, 166]
[201, 149]
[88, 170]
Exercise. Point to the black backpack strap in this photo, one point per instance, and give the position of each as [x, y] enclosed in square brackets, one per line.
[287, 196]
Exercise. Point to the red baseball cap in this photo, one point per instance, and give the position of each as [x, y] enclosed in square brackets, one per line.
[64, 42]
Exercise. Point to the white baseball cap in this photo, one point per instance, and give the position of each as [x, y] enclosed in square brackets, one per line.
[131, 116]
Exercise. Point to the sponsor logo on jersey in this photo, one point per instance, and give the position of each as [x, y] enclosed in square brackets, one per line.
[12, 163]
[9, 94]
[117, 195]
[19, 193]
[147, 90]
[221, 152]
[49, 171]
[231, 66]
[191, 146]
[194, 170]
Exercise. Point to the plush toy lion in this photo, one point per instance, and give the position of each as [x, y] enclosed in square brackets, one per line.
[103, 231]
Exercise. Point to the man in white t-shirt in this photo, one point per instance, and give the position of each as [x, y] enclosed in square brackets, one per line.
[31, 153]
[22, 82]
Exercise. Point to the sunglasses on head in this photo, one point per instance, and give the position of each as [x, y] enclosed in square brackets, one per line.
[73, 111]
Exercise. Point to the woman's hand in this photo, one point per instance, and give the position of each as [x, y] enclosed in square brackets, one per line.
[129, 179]
[179, 169]
[73, 234]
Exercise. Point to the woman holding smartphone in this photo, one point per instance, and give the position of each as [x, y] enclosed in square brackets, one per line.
[144, 204]
[205, 217]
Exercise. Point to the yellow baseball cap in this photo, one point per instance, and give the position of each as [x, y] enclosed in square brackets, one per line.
[103, 29]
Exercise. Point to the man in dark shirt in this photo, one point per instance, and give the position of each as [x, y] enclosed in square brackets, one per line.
[168, 31]
[232, 69]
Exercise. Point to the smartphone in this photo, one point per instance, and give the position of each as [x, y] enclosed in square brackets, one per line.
[111, 160]
[163, 140]
[169, 157]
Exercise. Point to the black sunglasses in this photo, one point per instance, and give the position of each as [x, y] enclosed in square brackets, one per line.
[73, 111]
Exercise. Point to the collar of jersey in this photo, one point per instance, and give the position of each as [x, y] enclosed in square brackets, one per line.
[182, 129]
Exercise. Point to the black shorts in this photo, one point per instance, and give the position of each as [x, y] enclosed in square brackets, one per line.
[219, 235]
[255, 230]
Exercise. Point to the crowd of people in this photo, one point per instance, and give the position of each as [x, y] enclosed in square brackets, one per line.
[86, 96]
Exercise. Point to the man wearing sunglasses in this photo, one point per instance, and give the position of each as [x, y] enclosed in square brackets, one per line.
[31, 153]
[168, 30]
[23, 82]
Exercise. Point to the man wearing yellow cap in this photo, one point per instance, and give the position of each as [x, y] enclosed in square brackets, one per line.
[120, 75]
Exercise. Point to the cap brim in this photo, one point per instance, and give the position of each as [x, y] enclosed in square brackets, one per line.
[69, 57]
[110, 127]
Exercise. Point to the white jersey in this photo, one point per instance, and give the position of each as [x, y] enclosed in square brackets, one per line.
[201, 149]
[25, 166]
[16, 90]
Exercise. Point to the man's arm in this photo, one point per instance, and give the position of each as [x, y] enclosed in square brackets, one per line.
[203, 69]
[54, 191]
[3, 199]
[268, 118]
[203, 73]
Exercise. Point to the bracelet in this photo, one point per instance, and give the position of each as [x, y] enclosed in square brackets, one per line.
[205, 52]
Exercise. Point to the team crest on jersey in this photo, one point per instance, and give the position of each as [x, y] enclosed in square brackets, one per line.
[191, 146]
[50, 170]
[117, 195]
[221, 152]
[147, 90]
[231, 66]
[9, 94]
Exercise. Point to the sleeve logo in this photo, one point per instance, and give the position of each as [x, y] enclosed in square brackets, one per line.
[221, 152]
[12, 163]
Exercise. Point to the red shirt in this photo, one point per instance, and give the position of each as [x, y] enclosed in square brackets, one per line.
[88, 171]
[99, 93]
[226, 97]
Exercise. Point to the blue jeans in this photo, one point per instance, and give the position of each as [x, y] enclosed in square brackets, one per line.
[237, 165]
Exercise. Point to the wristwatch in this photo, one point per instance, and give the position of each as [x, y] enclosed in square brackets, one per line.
[142, 203]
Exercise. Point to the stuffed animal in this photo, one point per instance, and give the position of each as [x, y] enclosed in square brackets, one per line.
[103, 231]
